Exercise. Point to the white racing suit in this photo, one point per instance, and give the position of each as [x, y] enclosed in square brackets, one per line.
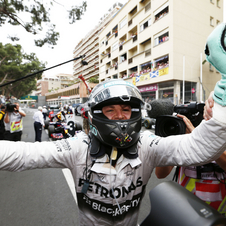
[98, 205]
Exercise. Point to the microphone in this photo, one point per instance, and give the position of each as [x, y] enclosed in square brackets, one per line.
[160, 107]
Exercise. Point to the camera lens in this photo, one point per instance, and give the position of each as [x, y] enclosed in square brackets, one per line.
[169, 125]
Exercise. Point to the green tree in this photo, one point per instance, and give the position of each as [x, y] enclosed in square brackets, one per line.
[39, 12]
[15, 64]
[94, 79]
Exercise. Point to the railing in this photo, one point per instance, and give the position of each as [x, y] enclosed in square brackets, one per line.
[134, 38]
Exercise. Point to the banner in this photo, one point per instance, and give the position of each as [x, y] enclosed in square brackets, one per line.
[29, 97]
[164, 71]
[144, 77]
[134, 80]
[148, 88]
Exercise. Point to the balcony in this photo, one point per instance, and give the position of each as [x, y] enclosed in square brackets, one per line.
[134, 38]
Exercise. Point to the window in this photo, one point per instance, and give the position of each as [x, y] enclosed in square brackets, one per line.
[211, 21]
[218, 22]
[114, 46]
[161, 12]
[218, 3]
[123, 58]
[144, 68]
[161, 62]
[133, 11]
[147, 7]
[212, 1]
[161, 38]
[123, 23]
[145, 24]
[108, 35]
[188, 95]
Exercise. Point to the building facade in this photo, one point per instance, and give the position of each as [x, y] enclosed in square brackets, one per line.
[159, 46]
[50, 84]
[47, 84]
[89, 46]
[66, 80]
[156, 45]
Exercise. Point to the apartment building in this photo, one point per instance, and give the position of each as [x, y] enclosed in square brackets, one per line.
[159, 47]
[46, 84]
[53, 83]
[89, 46]
[66, 79]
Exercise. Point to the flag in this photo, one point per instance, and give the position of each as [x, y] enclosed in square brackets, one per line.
[137, 78]
[154, 74]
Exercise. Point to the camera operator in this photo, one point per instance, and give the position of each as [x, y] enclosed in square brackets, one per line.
[207, 182]
[13, 122]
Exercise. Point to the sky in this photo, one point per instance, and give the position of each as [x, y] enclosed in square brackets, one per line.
[70, 35]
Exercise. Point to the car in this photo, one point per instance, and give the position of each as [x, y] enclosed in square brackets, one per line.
[76, 109]
[51, 112]
[60, 127]
[54, 108]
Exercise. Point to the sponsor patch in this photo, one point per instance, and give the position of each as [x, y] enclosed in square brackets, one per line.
[62, 145]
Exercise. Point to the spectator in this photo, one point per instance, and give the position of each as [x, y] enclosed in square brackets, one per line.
[44, 112]
[14, 123]
[38, 124]
[68, 110]
[2, 99]
[2, 125]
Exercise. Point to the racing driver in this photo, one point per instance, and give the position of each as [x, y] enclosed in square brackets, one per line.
[112, 165]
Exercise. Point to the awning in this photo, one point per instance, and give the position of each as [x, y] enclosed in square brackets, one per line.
[142, 65]
[162, 58]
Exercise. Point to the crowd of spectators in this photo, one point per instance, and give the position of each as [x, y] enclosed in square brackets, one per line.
[161, 65]
[161, 15]
[163, 39]
[158, 66]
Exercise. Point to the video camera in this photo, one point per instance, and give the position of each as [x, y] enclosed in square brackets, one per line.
[172, 204]
[167, 125]
[10, 107]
